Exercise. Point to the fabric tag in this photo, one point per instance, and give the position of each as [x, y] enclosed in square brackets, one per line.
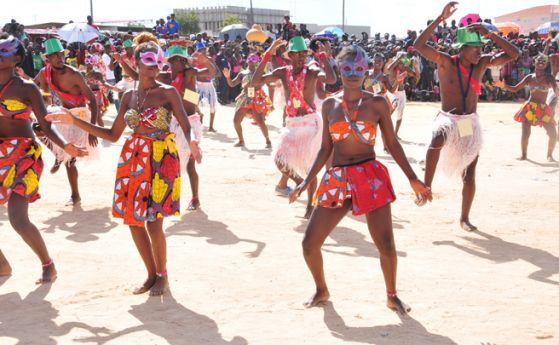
[465, 128]
[191, 96]
[250, 92]
[377, 88]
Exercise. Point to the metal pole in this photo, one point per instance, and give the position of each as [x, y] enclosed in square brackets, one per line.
[251, 20]
[91, 9]
[343, 15]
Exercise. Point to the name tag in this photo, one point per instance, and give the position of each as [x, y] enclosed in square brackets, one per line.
[465, 128]
[191, 96]
[368, 83]
[377, 88]
[296, 103]
[250, 92]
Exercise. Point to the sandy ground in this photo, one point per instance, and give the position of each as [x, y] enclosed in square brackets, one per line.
[237, 272]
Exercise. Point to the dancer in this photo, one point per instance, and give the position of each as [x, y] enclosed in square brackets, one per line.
[252, 101]
[357, 181]
[205, 86]
[299, 140]
[69, 87]
[20, 155]
[184, 78]
[536, 112]
[552, 98]
[457, 131]
[147, 186]
[399, 69]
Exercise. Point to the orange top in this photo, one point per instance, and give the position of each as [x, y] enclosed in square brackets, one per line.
[362, 130]
[12, 108]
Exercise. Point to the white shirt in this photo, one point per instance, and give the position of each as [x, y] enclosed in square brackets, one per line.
[110, 75]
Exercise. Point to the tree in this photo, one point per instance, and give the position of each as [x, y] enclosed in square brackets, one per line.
[231, 19]
[190, 23]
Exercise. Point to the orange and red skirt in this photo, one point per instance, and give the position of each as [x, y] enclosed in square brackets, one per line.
[21, 166]
[148, 180]
[535, 113]
[367, 184]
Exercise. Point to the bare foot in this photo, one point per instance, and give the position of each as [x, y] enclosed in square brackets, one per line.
[268, 144]
[239, 144]
[74, 201]
[194, 204]
[550, 159]
[145, 287]
[212, 130]
[49, 274]
[466, 225]
[395, 304]
[308, 213]
[55, 167]
[522, 158]
[160, 287]
[319, 297]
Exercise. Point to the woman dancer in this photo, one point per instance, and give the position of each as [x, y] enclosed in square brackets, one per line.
[536, 112]
[20, 155]
[357, 181]
[147, 187]
[252, 101]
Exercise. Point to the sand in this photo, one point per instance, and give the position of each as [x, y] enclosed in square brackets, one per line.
[236, 268]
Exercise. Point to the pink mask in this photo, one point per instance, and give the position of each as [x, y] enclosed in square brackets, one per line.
[253, 58]
[153, 59]
[355, 68]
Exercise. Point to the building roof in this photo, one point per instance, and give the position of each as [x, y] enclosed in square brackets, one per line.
[545, 9]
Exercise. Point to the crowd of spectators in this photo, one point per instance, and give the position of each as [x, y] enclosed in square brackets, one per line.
[231, 53]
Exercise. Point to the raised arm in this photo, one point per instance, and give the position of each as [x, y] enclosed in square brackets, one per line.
[518, 86]
[211, 69]
[420, 43]
[509, 53]
[324, 54]
[234, 82]
[129, 70]
[259, 79]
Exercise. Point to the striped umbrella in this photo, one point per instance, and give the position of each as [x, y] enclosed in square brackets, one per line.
[546, 28]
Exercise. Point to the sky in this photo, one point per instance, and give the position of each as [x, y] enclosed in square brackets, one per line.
[395, 16]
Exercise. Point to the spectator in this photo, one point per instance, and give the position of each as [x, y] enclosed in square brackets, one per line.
[173, 27]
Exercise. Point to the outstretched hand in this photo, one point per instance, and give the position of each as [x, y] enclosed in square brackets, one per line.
[479, 28]
[276, 44]
[226, 73]
[196, 151]
[449, 10]
[62, 116]
[75, 151]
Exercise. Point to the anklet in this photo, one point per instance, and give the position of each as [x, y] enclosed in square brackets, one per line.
[50, 263]
[162, 274]
[392, 294]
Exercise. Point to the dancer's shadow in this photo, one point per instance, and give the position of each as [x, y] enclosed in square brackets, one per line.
[83, 226]
[197, 224]
[406, 142]
[224, 138]
[272, 128]
[353, 240]
[36, 325]
[409, 328]
[545, 165]
[168, 319]
[499, 251]
[259, 152]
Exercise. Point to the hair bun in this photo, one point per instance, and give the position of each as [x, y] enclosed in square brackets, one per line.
[145, 37]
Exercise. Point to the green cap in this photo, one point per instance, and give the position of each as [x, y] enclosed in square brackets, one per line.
[177, 51]
[128, 44]
[465, 37]
[53, 45]
[297, 44]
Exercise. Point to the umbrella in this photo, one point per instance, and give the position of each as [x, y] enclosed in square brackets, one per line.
[233, 31]
[473, 16]
[331, 31]
[546, 28]
[270, 34]
[508, 27]
[78, 32]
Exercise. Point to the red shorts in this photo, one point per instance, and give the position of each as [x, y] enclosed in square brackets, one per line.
[366, 184]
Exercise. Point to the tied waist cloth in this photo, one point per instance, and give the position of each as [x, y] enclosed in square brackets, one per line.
[463, 140]
[535, 114]
[21, 166]
[367, 184]
[148, 183]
